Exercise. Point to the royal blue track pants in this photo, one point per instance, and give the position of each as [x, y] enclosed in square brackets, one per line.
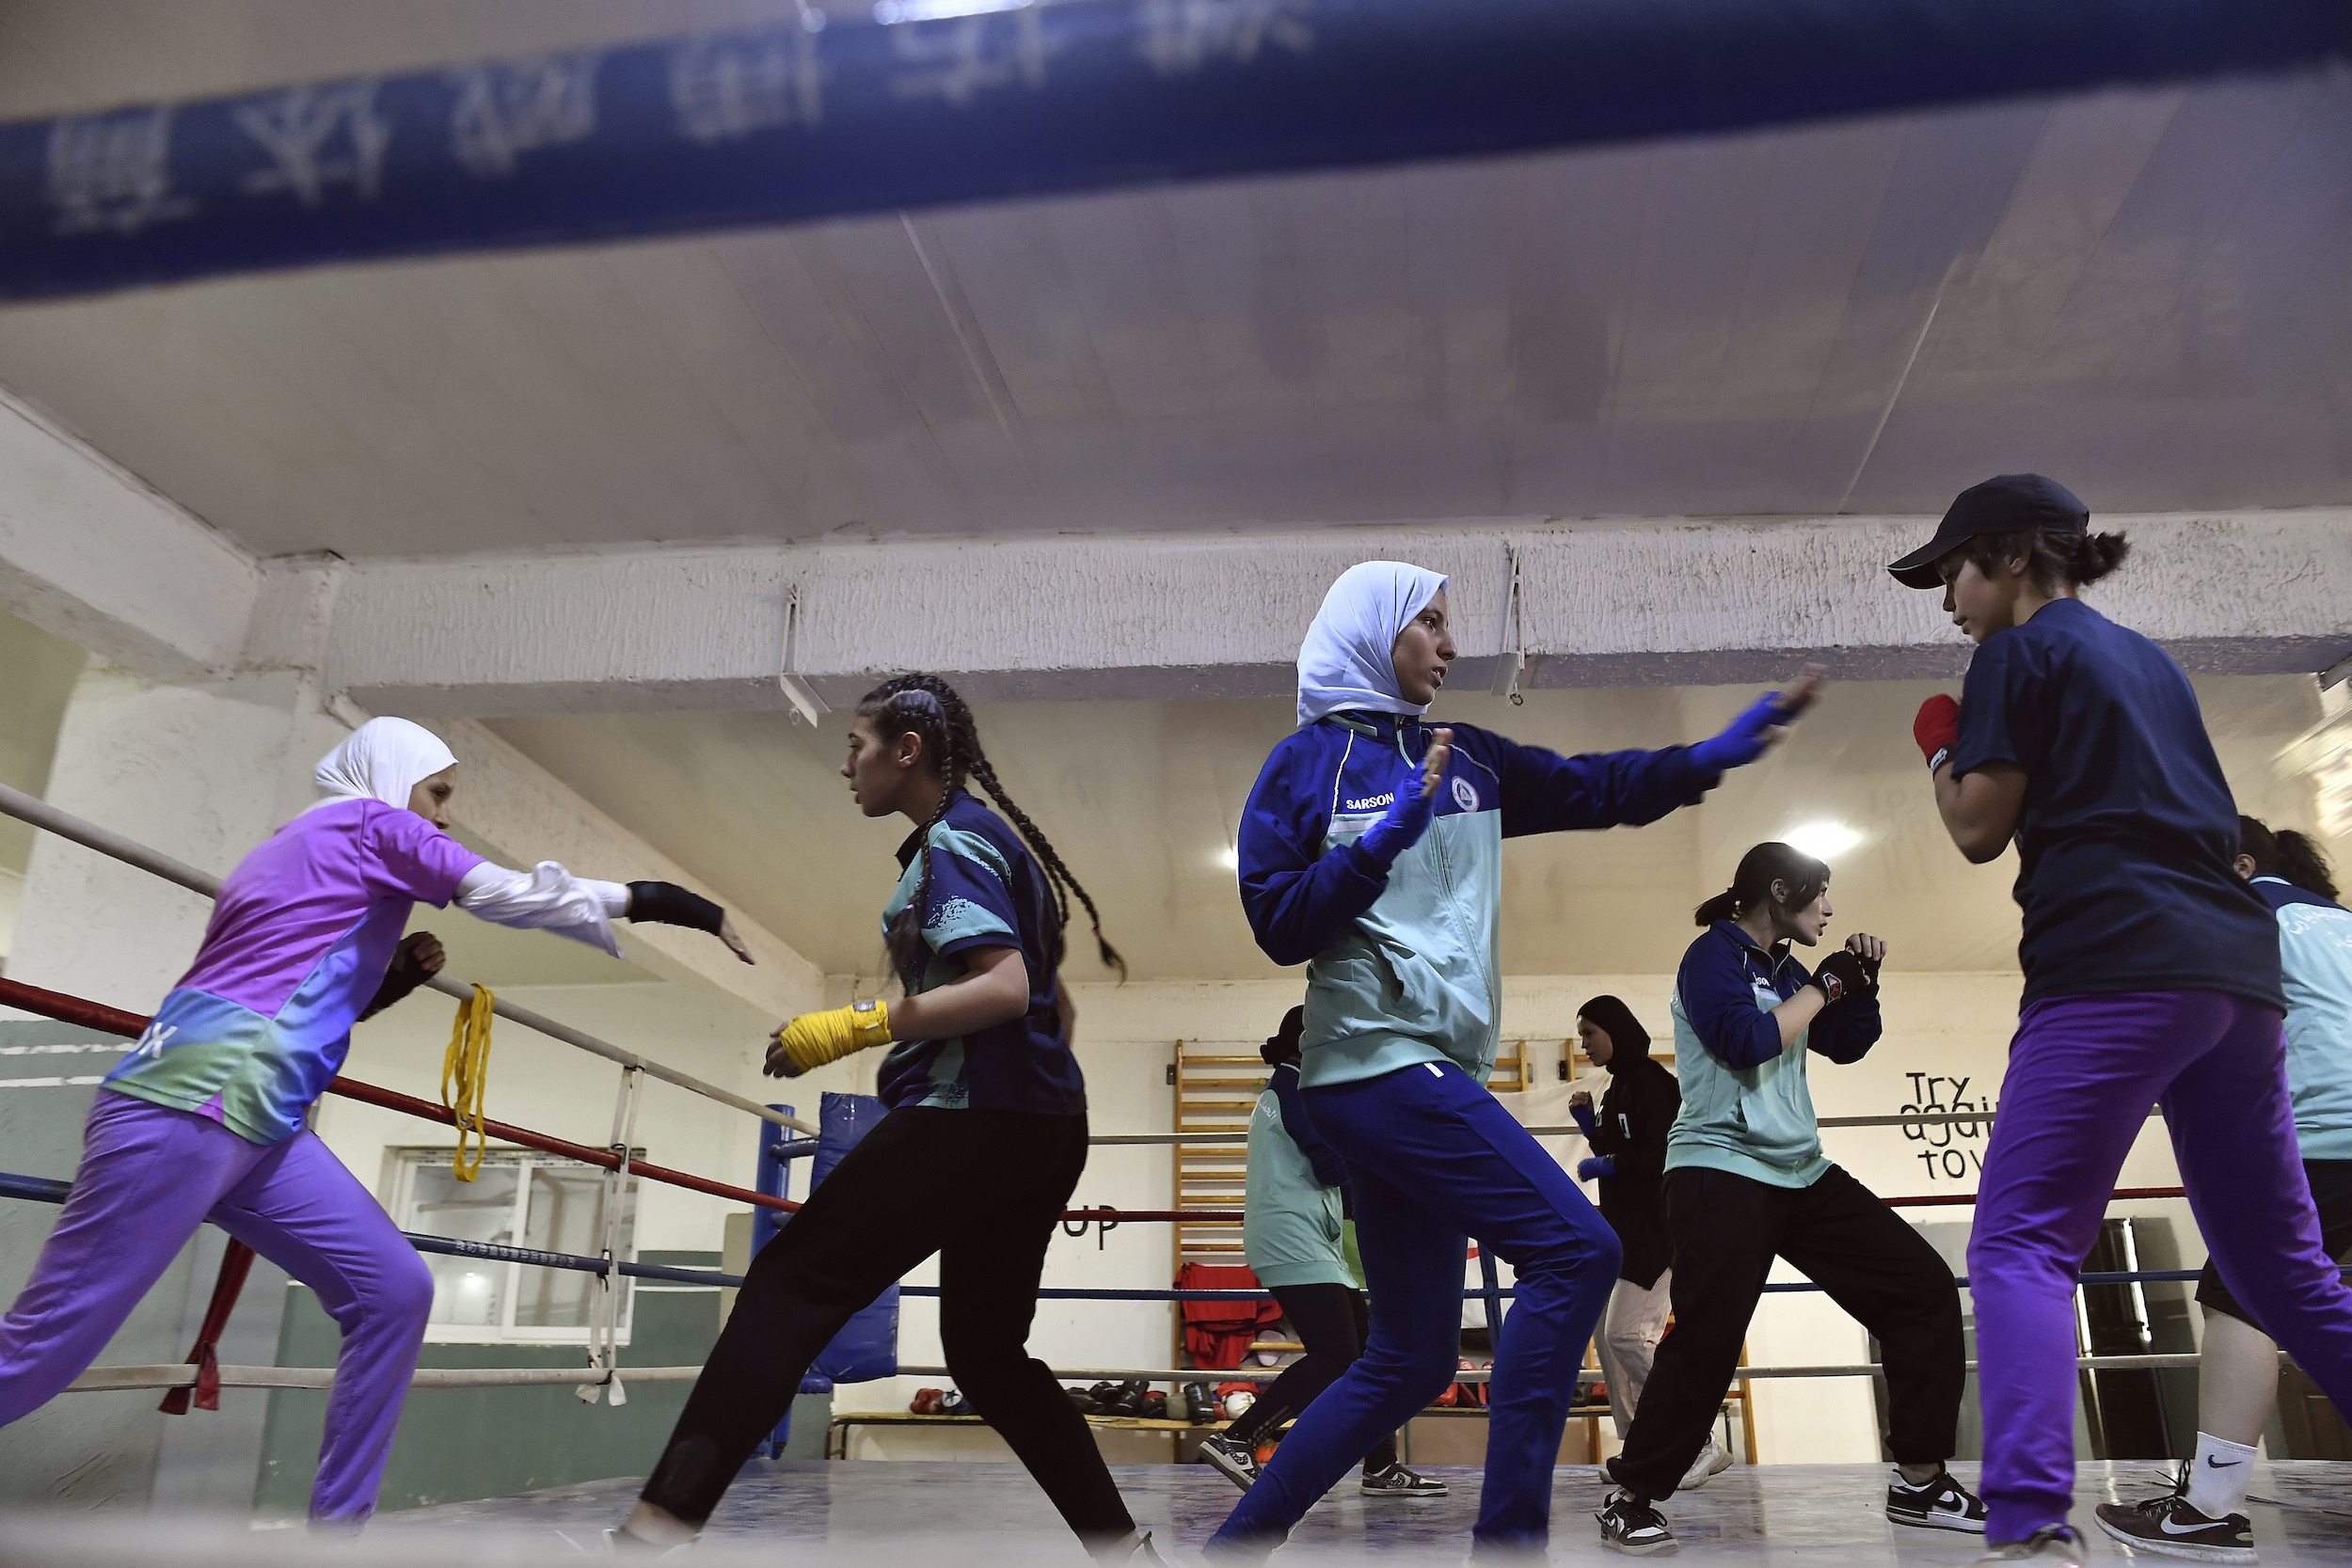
[1434, 1160]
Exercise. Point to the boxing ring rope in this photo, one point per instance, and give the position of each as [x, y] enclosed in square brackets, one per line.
[99, 1379]
[41, 814]
[1922, 1118]
[114, 1378]
[894, 105]
[617, 1159]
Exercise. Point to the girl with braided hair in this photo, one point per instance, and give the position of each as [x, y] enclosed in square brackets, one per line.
[979, 1063]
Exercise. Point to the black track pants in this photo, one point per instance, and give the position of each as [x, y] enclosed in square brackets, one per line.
[1726, 1231]
[1331, 1321]
[984, 1190]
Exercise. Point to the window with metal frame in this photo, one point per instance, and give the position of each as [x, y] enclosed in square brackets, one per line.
[520, 1199]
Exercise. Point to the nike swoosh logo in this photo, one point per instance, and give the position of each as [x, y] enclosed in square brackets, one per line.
[2170, 1528]
[2211, 1462]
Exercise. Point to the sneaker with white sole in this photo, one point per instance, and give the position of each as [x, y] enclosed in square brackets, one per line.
[2052, 1545]
[619, 1542]
[1237, 1462]
[2171, 1526]
[1132, 1550]
[1631, 1525]
[1939, 1502]
[1398, 1481]
[1712, 1461]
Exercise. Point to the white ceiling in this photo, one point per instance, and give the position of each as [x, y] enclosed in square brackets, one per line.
[2139, 293]
[1142, 799]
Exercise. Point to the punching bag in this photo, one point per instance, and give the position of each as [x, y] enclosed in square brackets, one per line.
[868, 1346]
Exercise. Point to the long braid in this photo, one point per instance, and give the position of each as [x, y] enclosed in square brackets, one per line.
[958, 746]
[1057, 873]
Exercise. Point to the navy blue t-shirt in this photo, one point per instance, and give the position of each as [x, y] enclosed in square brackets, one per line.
[2127, 829]
[986, 891]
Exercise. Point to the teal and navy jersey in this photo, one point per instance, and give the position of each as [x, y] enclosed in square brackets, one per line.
[1746, 1108]
[1405, 965]
[2127, 829]
[2315, 953]
[986, 891]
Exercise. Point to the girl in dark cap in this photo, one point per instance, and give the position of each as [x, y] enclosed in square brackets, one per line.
[2151, 977]
[1628, 1143]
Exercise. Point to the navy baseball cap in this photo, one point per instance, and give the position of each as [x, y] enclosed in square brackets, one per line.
[2006, 503]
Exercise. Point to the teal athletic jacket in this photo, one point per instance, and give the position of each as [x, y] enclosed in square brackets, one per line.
[2315, 953]
[1293, 1230]
[1746, 1108]
[1405, 965]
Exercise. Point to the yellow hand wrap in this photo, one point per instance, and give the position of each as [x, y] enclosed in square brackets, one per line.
[812, 1039]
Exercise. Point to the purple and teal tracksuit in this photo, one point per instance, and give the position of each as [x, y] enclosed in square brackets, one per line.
[204, 1120]
[2151, 977]
[1404, 1009]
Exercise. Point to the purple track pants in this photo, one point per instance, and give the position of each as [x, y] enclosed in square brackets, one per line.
[149, 1177]
[2082, 1073]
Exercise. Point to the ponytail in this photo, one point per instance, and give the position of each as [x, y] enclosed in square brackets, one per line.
[2286, 854]
[1723, 905]
[1751, 884]
[2300, 862]
[932, 711]
[2052, 560]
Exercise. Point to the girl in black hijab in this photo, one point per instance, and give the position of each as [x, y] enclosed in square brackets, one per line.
[1628, 1143]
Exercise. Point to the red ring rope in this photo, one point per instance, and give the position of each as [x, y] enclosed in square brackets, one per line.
[113, 1021]
[96, 1015]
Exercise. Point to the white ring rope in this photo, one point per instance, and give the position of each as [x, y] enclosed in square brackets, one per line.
[102, 1379]
[41, 814]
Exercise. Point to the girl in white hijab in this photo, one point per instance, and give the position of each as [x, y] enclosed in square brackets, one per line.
[205, 1119]
[1371, 852]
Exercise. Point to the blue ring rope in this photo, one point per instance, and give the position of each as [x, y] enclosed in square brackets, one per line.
[42, 1189]
[907, 104]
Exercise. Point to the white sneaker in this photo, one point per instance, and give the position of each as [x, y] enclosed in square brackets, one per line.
[619, 1542]
[1710, 1462]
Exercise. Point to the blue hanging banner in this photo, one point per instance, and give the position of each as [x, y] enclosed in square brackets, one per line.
[915, 104]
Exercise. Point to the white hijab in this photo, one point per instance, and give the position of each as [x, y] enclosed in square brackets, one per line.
[1349, 659]
[383, 759]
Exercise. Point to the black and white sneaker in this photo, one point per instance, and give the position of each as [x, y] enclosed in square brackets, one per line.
[1237, 1461]
[1938, 1503]
[2052, 1545]
[1398, 1481]
[1630, 1525]
[2171, 1526]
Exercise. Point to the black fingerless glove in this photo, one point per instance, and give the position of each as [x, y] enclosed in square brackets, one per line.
[405, 975]
[1841, 975]
[669, 904]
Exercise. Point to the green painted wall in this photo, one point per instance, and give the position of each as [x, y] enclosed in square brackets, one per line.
[456, 1444]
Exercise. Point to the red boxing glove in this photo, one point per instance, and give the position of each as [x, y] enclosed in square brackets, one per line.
[1937, 730]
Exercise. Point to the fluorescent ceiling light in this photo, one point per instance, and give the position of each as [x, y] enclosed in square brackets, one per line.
[1230, 858]
[1823, 841]
[890, 11]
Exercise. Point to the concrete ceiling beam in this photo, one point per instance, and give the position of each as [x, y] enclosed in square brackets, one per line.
[91, 554]
[1096, 617]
